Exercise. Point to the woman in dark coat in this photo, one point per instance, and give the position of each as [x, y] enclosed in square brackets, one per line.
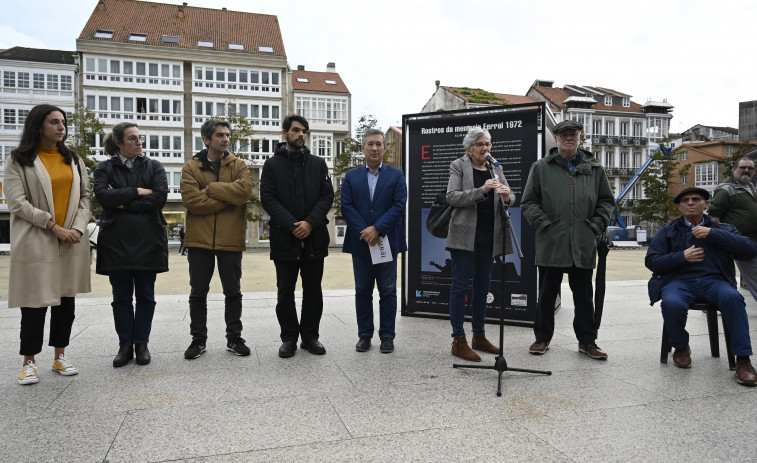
[132, 244]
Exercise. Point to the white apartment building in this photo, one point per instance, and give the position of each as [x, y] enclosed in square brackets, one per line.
[169, 68]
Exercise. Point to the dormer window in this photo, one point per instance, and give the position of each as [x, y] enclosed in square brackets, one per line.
[608, 100]
[626, 102]
[103, 34]
[236, 46]
[304, 80]
[171, 39]
[205, 44]
[330, 82]
[265, 49]
[135, 37]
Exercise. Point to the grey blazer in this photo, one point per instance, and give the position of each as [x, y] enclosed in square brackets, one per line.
[462, 196]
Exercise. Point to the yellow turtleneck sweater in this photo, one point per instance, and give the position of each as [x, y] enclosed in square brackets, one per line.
[61, 176]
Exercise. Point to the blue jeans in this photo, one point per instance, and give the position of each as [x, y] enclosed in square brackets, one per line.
[678, 295]
[385, 276]
[479, 263]
[133, 325]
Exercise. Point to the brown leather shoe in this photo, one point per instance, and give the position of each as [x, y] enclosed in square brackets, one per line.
[483, 344]
[682, 357]
[592, 350]
[745, 373]
[460, 349]
[539, 348]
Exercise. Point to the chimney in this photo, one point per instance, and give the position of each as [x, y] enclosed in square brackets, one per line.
[300, 67]
[437, 84]
[180, 14]
[331, 67]
[101, 5]
[224, 8]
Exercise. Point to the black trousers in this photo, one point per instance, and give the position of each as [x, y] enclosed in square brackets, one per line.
[311, 271]
[33, 326]
[579, 279]
[202, 264]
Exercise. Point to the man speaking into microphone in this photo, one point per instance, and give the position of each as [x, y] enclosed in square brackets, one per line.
[475, 237]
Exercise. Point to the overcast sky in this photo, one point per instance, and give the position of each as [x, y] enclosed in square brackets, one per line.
[697, 54]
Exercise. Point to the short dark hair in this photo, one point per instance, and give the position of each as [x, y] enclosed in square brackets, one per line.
[26, 151]
[370, 132]
[209, 127]
[287, 124]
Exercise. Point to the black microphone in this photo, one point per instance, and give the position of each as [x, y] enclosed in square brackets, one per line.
[490, 159]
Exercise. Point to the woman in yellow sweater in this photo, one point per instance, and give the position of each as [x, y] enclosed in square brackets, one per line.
[47, 189]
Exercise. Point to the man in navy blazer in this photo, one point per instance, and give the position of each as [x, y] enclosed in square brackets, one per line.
[373, 205]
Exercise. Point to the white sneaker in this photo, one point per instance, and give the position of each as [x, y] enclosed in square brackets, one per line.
[64, 367]
[28, 373]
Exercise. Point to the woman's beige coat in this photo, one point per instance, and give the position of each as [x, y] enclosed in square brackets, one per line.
[44, 269]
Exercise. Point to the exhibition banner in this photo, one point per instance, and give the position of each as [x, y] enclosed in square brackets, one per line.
[431, 142]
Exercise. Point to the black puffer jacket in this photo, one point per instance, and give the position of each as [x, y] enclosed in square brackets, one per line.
[132, 238]
[293, 187]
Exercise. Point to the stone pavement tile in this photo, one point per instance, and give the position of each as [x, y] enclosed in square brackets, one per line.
[146, 387]
[70, 438]
[626, 434]
[207, 428]
[464, 442]
[708, 377]
[725, 421]
[21, 403]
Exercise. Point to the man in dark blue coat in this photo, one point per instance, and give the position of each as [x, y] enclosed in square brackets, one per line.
[692, 259]
[373, 204]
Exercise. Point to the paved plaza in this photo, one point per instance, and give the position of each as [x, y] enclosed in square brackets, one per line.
[410, 405]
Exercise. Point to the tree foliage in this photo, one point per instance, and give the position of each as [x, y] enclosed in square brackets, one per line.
[658, 206]
[242, 133]
[731, 162]
[84, 127]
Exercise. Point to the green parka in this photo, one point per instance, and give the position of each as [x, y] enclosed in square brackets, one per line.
[568, 211]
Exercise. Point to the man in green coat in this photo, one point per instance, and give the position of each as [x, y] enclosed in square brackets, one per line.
[568, 201]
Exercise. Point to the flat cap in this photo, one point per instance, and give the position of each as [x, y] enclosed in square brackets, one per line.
[567, 125]
[687, 191]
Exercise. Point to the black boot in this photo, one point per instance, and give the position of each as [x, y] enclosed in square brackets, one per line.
[125, 353]
[143, 355]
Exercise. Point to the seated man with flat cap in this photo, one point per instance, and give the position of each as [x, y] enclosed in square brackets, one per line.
[692, 260]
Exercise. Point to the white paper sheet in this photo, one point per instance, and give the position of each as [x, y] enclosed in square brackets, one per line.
[381, 252]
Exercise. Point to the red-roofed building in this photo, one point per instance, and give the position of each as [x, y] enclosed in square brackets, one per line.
[621, 133]
[169, 68]
[325, 101]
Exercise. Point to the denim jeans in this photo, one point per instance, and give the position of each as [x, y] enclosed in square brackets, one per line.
[202, 264]
[385, 277]
[133, 324]
[477, 263]
[678, 295]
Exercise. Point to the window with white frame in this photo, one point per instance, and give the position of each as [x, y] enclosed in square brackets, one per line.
[609, 159]
[609, 128]
[608, 100]
[624, 159]
[173, 175]
[706, 174]
[637, 129]
[163, 145]
[320, 145]
[129, 107]
[597, 127]
[683, 179]
[236, 78]
[684, 155]
[729, 150]
[623, 128]
[322, 110]
[147, 72]
[636, 159]
[626, 102]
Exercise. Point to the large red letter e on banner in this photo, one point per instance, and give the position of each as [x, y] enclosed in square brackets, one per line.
[425, 151]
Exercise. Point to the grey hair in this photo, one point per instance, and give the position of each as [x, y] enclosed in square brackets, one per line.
[474, 134]
[373, 131]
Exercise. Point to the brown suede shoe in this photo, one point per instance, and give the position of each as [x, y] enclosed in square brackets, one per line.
[592, 350]
[745, 373]
[460, 349]
[539, 348]
[483, 344]
[682, 357]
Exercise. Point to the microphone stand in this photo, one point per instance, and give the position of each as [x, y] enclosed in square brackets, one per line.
[500, 364]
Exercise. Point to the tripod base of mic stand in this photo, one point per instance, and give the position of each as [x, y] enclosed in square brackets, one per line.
[500, 365]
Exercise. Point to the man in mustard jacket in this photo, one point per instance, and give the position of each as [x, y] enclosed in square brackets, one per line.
[215, 189]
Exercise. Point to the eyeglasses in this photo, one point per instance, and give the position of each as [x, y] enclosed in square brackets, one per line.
[136, 140]
[482, 144]
[565, 136]
[745, 168]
